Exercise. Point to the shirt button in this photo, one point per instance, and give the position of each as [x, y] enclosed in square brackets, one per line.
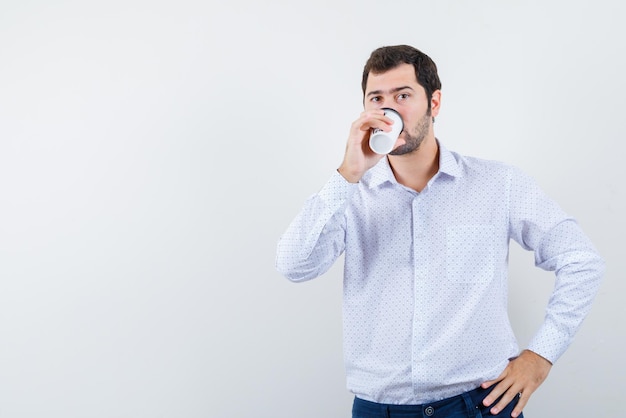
[429, 411]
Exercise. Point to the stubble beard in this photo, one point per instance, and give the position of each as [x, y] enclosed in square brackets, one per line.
[415, 138]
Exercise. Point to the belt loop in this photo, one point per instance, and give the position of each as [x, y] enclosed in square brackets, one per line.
[384, 410]
[472, 410]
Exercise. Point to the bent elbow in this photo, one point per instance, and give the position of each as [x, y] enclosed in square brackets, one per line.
[292, 270]
[296, 269]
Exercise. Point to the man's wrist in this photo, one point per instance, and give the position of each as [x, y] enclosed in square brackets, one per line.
[539, 356]
[349, 176]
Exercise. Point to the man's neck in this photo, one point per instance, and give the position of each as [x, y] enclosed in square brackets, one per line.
[414, 170]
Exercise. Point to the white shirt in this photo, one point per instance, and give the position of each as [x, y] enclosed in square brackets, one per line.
[425, 274]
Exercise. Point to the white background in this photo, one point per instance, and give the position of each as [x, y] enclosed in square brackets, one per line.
[152, 152]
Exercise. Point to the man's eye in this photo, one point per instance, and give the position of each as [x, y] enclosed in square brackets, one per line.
[403, 96]
[375, 99]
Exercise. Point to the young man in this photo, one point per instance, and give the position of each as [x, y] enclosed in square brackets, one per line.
[425, 233]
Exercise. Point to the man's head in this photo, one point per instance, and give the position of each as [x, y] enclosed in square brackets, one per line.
[404, 79]
[388, 57]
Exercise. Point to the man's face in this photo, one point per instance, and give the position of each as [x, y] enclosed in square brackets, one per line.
[398, 89]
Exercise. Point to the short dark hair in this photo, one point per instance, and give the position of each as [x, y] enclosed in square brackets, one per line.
[389, 57]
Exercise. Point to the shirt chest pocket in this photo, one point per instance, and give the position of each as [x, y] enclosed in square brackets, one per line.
[470, 253]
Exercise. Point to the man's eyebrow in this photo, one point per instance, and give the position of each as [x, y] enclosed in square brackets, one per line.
[394, 90]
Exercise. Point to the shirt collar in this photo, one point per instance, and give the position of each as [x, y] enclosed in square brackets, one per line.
[381, 173]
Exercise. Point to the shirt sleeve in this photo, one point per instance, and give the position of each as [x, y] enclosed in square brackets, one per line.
[537, 223]
[316, 237]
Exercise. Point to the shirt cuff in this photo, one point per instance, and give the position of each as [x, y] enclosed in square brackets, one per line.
[549, 343]
[337, 191]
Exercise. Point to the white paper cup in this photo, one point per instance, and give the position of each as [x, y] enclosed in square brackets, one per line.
[382, 142]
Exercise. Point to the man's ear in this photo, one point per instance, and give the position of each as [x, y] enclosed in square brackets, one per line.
[435, 103]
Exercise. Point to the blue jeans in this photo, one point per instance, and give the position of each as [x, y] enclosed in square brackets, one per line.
[465, 405]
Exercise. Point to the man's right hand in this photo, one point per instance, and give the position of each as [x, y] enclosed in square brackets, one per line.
[359, 157]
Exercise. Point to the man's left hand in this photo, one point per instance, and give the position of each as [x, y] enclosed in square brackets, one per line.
[522, 376]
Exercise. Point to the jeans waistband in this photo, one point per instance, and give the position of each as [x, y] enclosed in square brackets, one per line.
[466, 404]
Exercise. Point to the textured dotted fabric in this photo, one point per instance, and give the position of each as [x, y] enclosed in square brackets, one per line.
[425, 274]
